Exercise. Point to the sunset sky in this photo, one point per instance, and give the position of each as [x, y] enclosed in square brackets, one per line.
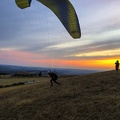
[35, 37]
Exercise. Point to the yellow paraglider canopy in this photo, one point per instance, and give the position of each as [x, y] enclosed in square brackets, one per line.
[23, 3]
[64, 10]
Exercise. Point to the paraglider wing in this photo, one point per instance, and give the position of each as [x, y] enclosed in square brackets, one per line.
[23, 3]
[64, 10]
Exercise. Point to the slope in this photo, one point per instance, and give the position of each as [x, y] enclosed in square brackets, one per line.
[85, 97]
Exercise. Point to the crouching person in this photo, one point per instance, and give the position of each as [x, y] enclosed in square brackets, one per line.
[54, 78]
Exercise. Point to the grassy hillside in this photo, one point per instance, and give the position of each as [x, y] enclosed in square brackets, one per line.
[85, 97]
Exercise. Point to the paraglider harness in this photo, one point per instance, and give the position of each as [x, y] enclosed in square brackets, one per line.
[54, 76]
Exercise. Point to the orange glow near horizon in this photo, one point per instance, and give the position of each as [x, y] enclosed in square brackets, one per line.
[30, 59]
[81, 64]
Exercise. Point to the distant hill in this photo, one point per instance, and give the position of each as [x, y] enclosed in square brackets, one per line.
[83, 97]
[11, 69]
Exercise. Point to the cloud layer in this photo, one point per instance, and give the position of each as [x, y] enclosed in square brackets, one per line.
[36, 34]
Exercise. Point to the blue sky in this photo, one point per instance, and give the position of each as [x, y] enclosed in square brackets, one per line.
[34, 35]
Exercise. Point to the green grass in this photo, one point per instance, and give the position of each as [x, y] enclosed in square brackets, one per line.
[85, 97]
[9, 81]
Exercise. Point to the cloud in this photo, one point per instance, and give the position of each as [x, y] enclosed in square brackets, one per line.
[37, 34]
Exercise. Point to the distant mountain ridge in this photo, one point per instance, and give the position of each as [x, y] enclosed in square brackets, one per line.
[11, 69]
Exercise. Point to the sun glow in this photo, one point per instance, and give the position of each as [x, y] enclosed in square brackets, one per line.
[29, 59]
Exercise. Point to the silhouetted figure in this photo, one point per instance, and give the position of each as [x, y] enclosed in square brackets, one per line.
[117, 65]
[54, 78]
[40, 73]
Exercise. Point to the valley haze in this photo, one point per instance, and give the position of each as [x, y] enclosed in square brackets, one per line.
[11, 69]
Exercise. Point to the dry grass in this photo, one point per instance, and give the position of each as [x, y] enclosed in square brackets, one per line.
[85, 97]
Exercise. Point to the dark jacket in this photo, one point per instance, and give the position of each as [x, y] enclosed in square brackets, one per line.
[53, 76]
